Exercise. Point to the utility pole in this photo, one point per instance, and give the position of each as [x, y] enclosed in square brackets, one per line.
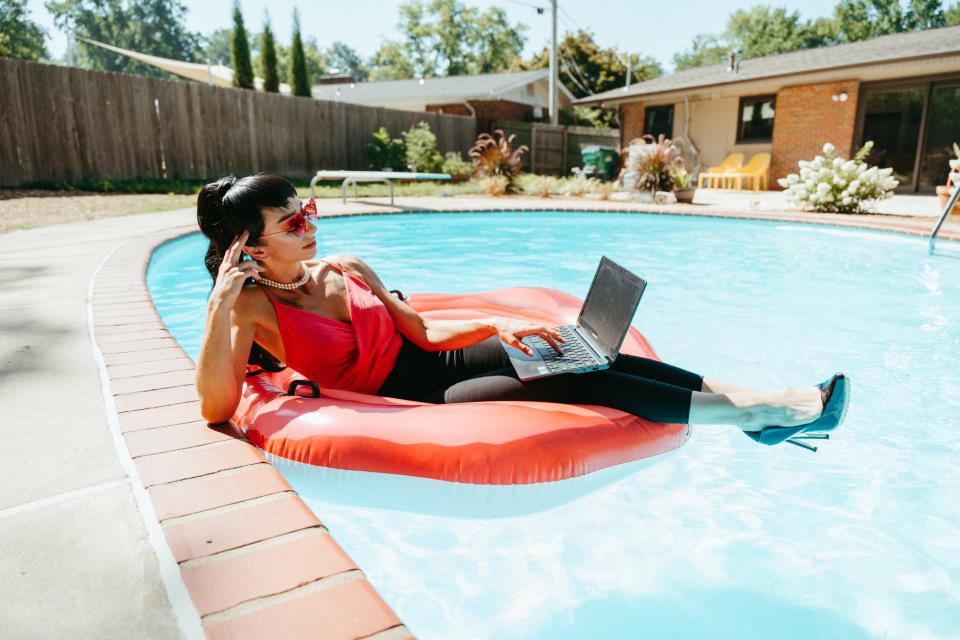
[554, 115]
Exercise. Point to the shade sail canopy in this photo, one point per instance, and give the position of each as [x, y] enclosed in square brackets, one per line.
[215, 74]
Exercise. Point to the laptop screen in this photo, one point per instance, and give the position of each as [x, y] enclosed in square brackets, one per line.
[610, 304]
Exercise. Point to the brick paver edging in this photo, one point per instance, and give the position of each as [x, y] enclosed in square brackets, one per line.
[254, 558]
[256, 561]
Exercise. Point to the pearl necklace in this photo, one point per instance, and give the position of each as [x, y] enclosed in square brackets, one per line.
[289, 285]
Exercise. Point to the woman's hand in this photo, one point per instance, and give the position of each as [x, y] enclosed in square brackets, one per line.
[233, 273]
[511, 330]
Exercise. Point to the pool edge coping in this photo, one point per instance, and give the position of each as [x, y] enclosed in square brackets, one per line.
[324, 589]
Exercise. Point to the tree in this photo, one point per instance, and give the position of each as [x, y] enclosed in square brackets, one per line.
[862, 19]
[268, 59]
[925, 14]
[299, 79]
[216, 46]
[706, 49]
[448, 38]
[764, 31]
[316, 60]
[240, 51]
[586, 68]
[20, 37]
[149, 26]
[390, 62]
[344, 59]
[497, 42]
[756, 32]
[952, 14]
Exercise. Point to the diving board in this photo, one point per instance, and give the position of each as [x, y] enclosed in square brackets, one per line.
[355, 177]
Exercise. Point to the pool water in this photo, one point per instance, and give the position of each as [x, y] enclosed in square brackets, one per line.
[724, 538]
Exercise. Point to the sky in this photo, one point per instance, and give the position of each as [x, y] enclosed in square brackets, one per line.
[658, 29]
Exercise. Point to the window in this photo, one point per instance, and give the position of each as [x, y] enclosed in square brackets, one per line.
[756, 119]
[657, 120]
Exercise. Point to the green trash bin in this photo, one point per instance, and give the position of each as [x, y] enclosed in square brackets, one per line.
[600, 161]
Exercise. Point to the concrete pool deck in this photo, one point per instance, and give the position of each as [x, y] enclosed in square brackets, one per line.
[122, 514]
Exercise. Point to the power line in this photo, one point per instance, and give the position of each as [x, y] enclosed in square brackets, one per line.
[572, 22]
[566, 69]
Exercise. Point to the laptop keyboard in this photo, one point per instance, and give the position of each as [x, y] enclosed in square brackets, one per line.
[575, 354]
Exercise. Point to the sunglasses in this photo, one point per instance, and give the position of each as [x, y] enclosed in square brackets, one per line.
[298, 222]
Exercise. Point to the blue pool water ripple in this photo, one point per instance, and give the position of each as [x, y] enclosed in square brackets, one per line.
[725, 538]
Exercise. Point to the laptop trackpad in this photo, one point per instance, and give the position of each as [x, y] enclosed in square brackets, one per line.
[515, 353]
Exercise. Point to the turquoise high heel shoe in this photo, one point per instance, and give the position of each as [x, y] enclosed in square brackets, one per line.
[836, 400]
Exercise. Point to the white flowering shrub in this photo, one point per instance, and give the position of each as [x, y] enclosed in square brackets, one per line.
[833, 185]
[954, 177]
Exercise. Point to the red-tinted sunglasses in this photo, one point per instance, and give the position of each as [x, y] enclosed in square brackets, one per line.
[298, 221]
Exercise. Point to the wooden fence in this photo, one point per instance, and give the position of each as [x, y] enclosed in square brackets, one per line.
[66, 124]
[556, 150]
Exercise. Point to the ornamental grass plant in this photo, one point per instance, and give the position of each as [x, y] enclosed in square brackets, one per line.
[655, 163]
[495, 155]
[830, 184]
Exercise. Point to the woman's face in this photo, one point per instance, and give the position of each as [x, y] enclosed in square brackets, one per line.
[289, 232]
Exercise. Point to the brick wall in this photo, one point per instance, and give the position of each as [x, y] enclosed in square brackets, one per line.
[631, 122]
[488, 111]
[807, 117]
[454, 109]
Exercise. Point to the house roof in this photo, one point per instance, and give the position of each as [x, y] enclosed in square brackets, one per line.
[486, 86]
[885, 49]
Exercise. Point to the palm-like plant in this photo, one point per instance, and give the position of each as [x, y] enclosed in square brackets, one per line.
[495, 155]
[658, 166]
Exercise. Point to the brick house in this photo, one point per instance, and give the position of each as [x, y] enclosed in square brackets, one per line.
[902, 91]
[518, 96]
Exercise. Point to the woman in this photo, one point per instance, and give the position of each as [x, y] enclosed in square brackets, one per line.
[336, 323]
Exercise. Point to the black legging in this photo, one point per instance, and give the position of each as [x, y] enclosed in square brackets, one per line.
[647, 388]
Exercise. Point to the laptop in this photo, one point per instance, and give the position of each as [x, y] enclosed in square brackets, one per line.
[594, 342]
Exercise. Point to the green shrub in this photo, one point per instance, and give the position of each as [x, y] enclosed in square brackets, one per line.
[458, 168]
[578, 186]
[386, 154]
[531, 184]
[422, 154]
[494, 185]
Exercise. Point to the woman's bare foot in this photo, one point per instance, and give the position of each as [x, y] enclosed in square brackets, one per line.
[785, 408]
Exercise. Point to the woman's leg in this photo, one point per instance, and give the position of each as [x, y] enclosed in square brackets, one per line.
[721, 403]
[657, 370]
[642, 397]
[649, 388]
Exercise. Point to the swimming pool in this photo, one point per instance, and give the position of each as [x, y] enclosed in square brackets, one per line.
[724, 538]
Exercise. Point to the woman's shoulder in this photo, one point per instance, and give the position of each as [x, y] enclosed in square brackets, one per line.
[350, 262]
[337, 259]
[252, 304]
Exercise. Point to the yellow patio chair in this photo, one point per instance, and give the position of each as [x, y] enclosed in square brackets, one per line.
[755, 170]
[724, 170]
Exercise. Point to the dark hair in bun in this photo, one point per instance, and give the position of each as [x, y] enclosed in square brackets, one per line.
[228, 207]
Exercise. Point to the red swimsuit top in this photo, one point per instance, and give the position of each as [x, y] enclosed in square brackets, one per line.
[355, 356]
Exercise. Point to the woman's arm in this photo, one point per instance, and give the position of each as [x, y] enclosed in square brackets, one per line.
[445, 335]
[222, 362]
[227, 338]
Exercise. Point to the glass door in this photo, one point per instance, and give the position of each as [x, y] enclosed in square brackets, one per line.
[943, 129]
[891, 118]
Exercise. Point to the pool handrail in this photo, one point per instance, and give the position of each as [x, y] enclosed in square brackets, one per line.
[943, 216]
